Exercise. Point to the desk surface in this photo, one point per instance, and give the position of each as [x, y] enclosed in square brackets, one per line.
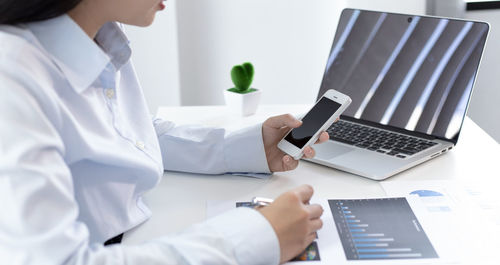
[180, 199]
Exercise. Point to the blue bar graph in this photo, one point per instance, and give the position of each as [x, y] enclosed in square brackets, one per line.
[372, 245]
[389, 256]
[366, 235]
[357, 225]
[371, 250]
[372, 239]
[379, 229]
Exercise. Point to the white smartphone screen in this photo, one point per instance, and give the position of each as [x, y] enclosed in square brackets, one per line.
[312, 122]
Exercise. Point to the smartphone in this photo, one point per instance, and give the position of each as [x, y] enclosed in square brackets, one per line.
[321, 116]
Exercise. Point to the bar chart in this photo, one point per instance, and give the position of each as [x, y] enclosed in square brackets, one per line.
[378, 229]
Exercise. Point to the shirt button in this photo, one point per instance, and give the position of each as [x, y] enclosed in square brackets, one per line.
[140, 145]
[110, 93]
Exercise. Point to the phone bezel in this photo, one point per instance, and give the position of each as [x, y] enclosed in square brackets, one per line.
[331, 94]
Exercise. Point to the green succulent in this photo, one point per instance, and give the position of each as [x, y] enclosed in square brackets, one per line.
[242, 76]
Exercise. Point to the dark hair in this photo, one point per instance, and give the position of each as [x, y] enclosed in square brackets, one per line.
[23, 11]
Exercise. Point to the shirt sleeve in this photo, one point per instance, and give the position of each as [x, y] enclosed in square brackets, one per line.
[240, 236]
[211, 150]
[39, 218]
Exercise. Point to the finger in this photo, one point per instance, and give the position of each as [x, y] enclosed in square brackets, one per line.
[309, 152]
[309, 239]
[315, 225]
[304, 192]
[315, 211]
[323, 137]
[285, 120]
[289, 163]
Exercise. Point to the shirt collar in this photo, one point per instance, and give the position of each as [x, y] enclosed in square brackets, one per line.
[80, 58]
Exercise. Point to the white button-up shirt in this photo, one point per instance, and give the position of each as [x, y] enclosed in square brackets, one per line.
[78, 149]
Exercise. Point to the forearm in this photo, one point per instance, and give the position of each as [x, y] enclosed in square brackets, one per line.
[211, 150]
[240, 236]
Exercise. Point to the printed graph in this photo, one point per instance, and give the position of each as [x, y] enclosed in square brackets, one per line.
[377, 229]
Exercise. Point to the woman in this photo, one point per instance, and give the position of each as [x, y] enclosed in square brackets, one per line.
[78, 149]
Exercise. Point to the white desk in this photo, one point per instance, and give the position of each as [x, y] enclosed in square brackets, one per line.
[180, 199]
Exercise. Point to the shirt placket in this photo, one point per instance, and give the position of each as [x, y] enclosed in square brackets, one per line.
[109, 84]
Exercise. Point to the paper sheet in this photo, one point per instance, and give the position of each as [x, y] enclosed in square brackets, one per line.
[462, 218]
[332, 250]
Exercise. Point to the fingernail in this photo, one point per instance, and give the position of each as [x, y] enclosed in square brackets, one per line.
[287, 159]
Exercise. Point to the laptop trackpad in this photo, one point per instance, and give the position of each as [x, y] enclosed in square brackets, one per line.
[331, 150]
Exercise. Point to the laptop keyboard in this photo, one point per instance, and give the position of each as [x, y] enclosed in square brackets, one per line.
[377, 140]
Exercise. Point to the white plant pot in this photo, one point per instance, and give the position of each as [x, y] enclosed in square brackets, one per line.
[242, 104]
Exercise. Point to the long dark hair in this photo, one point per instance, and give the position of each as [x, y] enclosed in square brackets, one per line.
[23, 11]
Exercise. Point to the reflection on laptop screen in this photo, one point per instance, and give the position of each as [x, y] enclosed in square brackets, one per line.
[409, 72]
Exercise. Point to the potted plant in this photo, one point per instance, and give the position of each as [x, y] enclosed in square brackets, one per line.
[242, 98]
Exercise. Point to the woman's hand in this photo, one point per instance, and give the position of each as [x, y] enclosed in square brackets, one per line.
[294, 220]
[273, 131]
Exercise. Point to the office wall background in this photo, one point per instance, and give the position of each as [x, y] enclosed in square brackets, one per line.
[484, 107]
[156, 60]
[287, 40]
[186, 56]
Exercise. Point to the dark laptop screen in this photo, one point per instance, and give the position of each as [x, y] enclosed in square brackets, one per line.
[410, 72]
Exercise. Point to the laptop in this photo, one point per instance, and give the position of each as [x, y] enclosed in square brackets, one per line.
[410, 79]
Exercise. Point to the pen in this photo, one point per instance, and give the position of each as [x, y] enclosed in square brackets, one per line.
[261, 202]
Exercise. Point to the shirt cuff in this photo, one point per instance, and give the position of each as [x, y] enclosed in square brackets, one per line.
[244, 151]
[251, 235]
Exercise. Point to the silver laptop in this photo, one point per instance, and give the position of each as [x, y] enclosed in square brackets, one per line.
[410, 79]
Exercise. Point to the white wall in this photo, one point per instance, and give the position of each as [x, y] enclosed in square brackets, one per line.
[155, 56]
[446, 8]
[416, 7]
[186, 55]
[484, 107]
[288, 41]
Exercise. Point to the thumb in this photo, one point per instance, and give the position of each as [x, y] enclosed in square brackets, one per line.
[283, 120]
